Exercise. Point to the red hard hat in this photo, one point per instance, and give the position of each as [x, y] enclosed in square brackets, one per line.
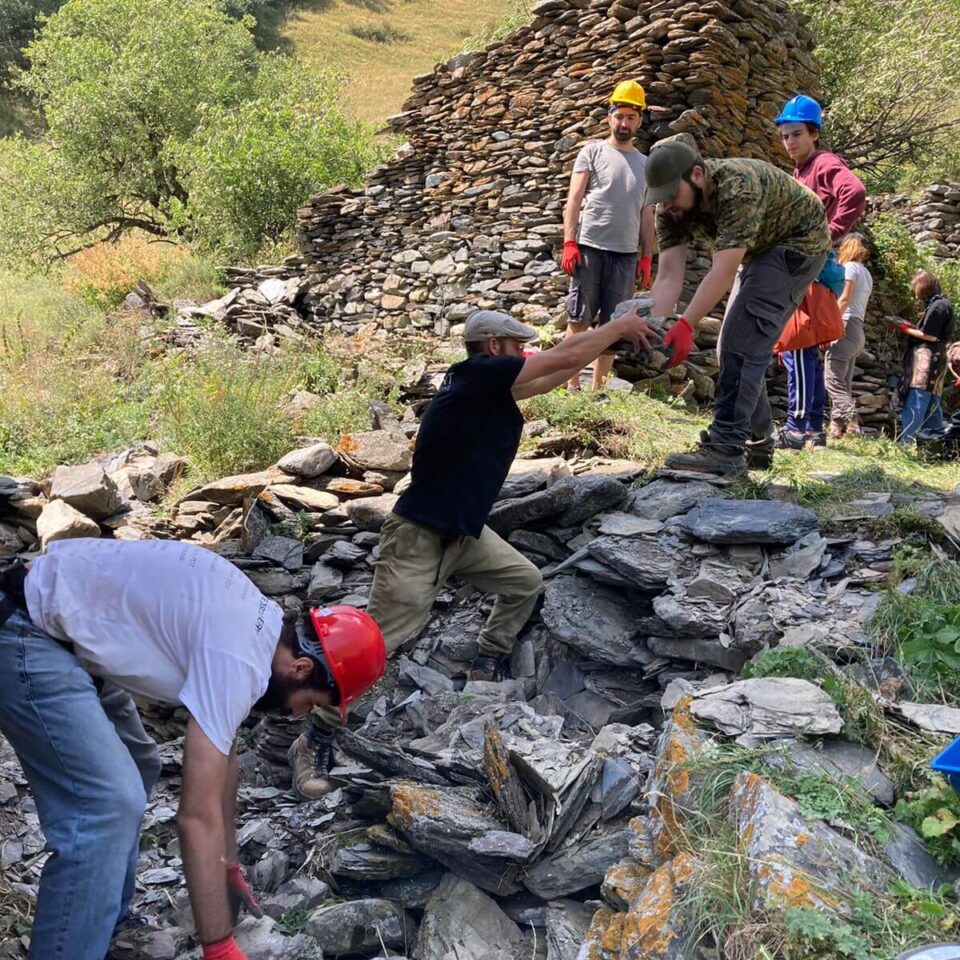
[354, 648]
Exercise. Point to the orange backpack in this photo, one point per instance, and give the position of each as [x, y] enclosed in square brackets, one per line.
[816, 322]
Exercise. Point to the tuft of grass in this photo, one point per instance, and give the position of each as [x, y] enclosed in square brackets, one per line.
[627, 425]
[106, 272]
[381, 33]
[219, 407]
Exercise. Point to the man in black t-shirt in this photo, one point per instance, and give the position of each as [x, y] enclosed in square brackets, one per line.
[467, 441]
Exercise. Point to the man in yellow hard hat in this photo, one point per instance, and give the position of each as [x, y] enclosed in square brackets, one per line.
[604, 219]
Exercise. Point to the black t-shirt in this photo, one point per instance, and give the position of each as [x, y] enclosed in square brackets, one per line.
[467, 441]
[938, 318]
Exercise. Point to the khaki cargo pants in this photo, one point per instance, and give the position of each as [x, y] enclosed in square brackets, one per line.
[414, 564]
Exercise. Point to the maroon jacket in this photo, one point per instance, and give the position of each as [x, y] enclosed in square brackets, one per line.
[841, 191]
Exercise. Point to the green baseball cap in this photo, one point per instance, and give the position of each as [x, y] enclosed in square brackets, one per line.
[666, 166]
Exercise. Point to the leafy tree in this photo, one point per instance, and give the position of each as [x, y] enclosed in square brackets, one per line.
[891, 80]
[248, 167]
[162, 116]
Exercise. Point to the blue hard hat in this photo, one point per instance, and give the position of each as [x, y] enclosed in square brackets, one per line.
[801, 109]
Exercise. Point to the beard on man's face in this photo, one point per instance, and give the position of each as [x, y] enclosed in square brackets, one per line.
[276, 698]
[694, 212]
[622, 135]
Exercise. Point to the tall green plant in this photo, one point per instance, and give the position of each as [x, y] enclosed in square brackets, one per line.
[891, 80]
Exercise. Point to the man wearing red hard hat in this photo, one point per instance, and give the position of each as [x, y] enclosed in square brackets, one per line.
[94, 621]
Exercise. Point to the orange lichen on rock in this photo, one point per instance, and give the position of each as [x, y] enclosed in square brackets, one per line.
[653, 928]
[410, 802]
[603, 938]
[624, 882]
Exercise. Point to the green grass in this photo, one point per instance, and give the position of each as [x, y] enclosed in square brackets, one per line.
[380, 73]
[719, 906]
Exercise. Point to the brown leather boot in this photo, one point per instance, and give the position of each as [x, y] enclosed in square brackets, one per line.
[310, 757]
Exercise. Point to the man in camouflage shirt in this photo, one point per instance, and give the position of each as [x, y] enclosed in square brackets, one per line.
[770, 240]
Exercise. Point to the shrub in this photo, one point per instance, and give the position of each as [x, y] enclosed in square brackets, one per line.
[221, 408]
[890, 73]
[249, 166]
[381, 33]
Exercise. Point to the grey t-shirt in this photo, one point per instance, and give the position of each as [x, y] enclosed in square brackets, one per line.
[610, 217]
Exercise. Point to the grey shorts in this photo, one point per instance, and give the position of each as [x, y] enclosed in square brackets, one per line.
[603, 280]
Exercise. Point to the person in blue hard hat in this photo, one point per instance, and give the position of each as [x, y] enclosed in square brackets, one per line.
[817, 321]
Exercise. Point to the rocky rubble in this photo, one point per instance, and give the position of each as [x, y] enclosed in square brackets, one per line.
[935, 220]
[476, 817]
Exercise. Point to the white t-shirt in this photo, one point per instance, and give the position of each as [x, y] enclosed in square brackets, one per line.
[862, 288]
[168, 621]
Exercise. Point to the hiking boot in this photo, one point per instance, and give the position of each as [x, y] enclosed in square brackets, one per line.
[759, 455]
[311, 756]
[488, 668]
[817, 438]
[791, 440]
[837, 430]
[708, 460]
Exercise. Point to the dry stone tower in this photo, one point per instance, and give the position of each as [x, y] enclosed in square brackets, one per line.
[469, 211]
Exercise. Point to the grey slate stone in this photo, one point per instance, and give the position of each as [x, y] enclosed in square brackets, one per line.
[748, 521]
[88, 489]
[511, 515]
[578, 866]
[644, 563]
[285, 551]
[326, 583]
[592, 495]
[460, 921]
[357, 926]
[369, 513]
[597, 621]
[663, 499]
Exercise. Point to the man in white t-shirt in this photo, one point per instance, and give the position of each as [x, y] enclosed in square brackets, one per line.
[97, 620]
[604, 220]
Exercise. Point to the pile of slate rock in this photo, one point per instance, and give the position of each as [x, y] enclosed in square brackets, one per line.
[471, 817]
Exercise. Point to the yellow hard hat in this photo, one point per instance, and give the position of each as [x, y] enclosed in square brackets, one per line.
[629, 92]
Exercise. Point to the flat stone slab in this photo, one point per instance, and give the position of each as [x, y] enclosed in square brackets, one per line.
[597, 621]
[87, 488]
[662, 499]
[643, 562]
[767, 708]
[748, 521]
[463, 922]
[308, 462]
[794, 862]
[377, 450]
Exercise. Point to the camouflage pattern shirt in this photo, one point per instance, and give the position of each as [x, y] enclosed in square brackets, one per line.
[754, 205]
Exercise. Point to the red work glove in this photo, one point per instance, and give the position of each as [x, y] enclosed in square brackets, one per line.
[239, 889]
[572, 257]
[680, 337]
[904, 326]
[645, 271]
[226, 949]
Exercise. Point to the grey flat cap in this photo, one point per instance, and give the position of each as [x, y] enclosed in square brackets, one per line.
[490, 324]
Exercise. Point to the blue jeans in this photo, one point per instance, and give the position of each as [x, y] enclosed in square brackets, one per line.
[90, 766]
[921, 411]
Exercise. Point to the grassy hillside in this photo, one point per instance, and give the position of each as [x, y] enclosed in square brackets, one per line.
[382, 44]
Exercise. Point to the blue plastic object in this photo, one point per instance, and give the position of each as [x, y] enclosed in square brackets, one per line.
[801, 109]
[948, 763]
